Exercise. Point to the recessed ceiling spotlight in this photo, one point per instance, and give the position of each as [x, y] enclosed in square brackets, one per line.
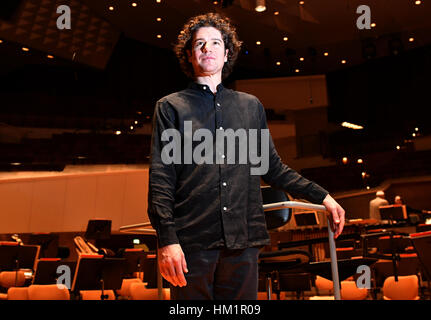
[301, 59]
[276, 13]
[326, 54]
[373, 25]
[258, 43]
[50, 56]
[296, 70]
[111, 8]
[134, 4]
[260, 6]
[278, 63]
[285, 38]
[25, 49]
[159, 36]
[418, 2]
[343, 61]
[159, 19]
[411, 39]
[301, 3]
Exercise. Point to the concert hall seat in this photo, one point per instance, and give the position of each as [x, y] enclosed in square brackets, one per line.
[407, 288]
[349, 291]
[124, 291]
[48, 292]
[139, 291]
[17, 293]
[10, 279]
[96, 294]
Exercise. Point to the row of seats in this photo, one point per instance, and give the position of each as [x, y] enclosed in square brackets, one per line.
[131, 289]
[406, 288]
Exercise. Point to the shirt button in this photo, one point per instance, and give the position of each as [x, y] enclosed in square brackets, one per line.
[224, 184]
[224, 208]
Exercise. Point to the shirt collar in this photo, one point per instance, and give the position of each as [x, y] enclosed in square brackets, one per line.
[204, 87]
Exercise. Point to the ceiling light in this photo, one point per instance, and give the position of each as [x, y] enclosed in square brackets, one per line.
[301, 3]
[25, 49]
[360, 161]
[118, 132]
[398, 147]
[343, 61]
[111, 8]
[131, 127]
[158, 1]
[411, 39]
[301, 59]
[416, 129]
[373, 25]
[1, 41]
[159, 19]
[326, 54]
[296, 70]
[136, 121]
[352, 126]
[276, 13]
[258, 43]
[260, 6]
[134, 4]
[285, 38]
[418, 2]
[278, 63]
[215, 2]
[50, 56]
[159, 36]
[345, 160]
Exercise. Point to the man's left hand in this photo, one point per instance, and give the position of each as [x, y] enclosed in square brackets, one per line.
[336, 215]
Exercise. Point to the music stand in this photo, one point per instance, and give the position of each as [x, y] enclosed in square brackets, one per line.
[306, 219]
[15, 257]
[394, 212]
[135, 259]
[98, 229]
[48, 243]
[46, 270]
[95, 272]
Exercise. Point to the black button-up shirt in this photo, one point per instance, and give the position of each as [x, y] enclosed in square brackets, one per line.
[204, 206]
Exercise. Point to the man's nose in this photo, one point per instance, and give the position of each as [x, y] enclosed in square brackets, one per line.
[205, 47]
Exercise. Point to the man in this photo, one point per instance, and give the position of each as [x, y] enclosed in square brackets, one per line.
[378, 201]
[208, 215]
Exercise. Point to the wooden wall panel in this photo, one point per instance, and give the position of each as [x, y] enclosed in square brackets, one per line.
[15, 206]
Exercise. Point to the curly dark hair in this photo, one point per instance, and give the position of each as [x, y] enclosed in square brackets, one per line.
[230, 39]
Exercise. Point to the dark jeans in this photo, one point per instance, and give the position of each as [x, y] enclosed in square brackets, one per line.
[220, 275]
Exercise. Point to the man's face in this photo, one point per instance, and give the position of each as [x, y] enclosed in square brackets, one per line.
[208, 53]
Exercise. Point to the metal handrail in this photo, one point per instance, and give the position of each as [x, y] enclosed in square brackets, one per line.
[332, 247]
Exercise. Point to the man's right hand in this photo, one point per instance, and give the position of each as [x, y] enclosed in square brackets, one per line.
[172, 264]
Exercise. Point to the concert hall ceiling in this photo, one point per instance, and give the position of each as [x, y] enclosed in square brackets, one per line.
[287, 30]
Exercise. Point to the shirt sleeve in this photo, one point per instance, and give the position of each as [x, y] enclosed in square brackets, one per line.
[280, 176]
[162, 179]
